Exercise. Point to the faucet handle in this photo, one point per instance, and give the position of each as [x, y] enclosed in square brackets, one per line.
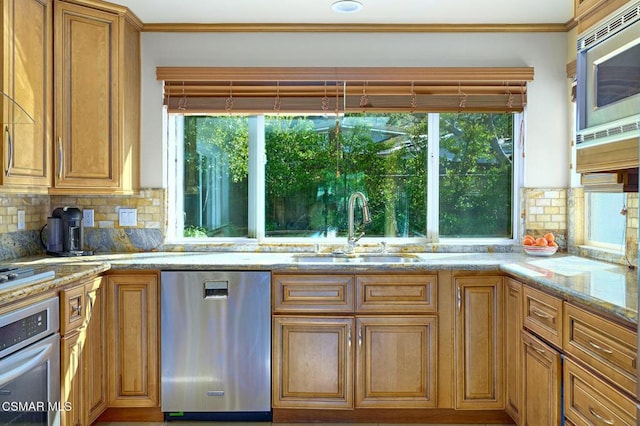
[383, 247]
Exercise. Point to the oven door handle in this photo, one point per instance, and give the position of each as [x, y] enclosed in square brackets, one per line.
[23, 361]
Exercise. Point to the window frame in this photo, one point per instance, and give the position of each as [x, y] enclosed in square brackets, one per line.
[256, 182]
[615, 248]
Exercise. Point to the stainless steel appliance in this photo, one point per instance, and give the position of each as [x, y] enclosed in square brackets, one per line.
[608, 79]
[30, 365]
[65, 232]
[216, 345]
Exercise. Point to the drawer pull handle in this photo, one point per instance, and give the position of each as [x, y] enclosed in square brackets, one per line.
[360, 336]
[532, 346]
[600, 348]
[349, 337]
[599, 417]
[539, 350]
[540, 314]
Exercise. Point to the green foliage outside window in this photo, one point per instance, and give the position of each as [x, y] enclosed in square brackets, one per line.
[314, 163]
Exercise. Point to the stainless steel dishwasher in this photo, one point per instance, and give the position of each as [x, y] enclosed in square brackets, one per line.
[216, 345]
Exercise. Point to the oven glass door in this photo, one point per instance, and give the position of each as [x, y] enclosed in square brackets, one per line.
[30, 385]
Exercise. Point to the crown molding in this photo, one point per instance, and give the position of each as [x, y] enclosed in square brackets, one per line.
[355, 28]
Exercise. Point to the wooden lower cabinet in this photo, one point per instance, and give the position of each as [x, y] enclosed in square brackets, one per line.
[589, 401]
[542, 370]
[133, 338]
[94, 355]
[513, 348]
[479, 342]
[396, 361]
[71, 378]
[313, 362]
[83, 352]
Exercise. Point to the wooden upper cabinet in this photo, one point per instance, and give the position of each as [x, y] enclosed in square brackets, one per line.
[27, 77]
[590, 12]
[97, 75]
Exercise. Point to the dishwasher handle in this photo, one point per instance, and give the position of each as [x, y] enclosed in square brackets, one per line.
[216, 289]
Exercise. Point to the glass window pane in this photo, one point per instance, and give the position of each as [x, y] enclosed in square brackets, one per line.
[215, 185]
[476, 168]
[605, 225]
[313, 166]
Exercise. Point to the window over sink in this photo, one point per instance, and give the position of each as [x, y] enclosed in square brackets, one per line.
[427, 176]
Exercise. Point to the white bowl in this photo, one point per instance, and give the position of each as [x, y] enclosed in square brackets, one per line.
[540, 250]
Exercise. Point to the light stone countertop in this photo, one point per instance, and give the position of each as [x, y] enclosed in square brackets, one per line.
[605, 287]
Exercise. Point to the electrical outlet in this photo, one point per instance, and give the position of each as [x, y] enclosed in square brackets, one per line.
[87, 218]
[128, 217]
[22, 220]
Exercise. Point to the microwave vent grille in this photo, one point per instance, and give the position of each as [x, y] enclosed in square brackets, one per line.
[620, 21]
[611, 131]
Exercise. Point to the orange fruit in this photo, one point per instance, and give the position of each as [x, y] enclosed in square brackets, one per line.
[542, 242]
[529, 240]
[553, 244]
[549, 237]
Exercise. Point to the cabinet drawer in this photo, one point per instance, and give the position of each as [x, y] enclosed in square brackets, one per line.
[313, 293]
[590, 401]
[543, 315]
[72, 309]
[607, 347]
[396, 293]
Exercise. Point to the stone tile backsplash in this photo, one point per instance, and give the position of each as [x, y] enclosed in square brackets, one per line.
[542, 210]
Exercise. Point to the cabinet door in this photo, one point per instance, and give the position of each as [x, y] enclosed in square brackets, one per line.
[27, 77]
[542, 376]
[71, 378]
[513, 348]
[86, 74]
[396, 361]
[479, 350]
[94, 356]
[132, 318]
[312, 362]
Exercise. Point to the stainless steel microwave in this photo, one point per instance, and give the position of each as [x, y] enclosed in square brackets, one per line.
[608, 79]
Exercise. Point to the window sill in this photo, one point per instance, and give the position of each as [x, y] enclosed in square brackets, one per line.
[600, 253]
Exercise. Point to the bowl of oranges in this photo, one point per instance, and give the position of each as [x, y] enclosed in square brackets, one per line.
[541, 246]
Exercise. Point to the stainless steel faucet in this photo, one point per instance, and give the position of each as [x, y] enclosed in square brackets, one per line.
[366, 218]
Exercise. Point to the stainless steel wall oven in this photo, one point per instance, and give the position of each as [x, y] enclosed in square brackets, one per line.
[30, 365]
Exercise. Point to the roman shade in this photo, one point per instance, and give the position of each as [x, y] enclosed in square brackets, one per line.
[338, 90]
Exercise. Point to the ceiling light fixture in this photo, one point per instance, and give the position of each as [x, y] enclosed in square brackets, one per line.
[346, 6]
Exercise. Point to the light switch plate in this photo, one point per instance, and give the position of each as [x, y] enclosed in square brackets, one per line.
[87, 218]
[128, 217]
[22, 222]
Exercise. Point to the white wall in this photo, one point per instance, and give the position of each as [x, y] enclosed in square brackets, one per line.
[547, 152]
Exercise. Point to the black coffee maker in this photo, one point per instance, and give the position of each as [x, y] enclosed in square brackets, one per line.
[65, 232]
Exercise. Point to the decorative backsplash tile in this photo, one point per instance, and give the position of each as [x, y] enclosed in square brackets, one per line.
[107, 235]
[544, 210]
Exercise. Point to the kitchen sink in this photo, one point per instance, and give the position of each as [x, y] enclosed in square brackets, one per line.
[359, 258]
